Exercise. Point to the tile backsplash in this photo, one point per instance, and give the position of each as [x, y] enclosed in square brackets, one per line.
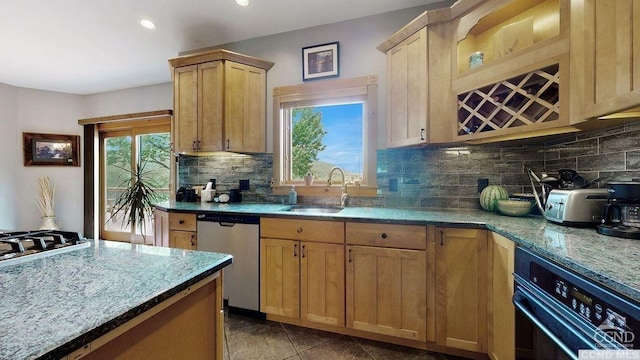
[439, 177]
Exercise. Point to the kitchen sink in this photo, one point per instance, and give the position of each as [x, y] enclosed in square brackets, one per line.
[315, 209]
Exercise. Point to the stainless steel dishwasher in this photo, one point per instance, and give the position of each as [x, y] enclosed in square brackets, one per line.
[236, 235]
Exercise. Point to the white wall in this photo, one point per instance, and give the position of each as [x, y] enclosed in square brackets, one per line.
[10, 148]
[358, 55]
[27, 110]
[128, 101]
[44, 112]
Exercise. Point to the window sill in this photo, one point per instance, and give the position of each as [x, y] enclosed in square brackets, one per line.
[323, 190]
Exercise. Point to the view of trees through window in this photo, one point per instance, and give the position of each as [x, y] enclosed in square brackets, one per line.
[153, 155]
[327, 136]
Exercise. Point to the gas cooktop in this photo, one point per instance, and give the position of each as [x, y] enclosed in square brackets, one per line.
[16, 246]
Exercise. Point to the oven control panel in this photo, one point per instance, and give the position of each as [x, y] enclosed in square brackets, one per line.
[617, 324]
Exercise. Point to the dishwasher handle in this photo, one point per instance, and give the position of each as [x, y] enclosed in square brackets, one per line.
[226, 224]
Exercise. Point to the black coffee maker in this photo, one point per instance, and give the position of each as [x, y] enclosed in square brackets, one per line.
[621, 214]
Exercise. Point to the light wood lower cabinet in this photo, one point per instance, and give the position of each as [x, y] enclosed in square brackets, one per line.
[386, 292]
[176, 230]
[188, 325]
[501, 312]
[386, 287]
[461, 288]
[302, 279]
[279, 277]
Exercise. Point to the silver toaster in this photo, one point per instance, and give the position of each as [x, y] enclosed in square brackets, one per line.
[578, 207]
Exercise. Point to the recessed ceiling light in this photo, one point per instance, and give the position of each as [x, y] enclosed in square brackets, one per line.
[147, 23]
[242, 2]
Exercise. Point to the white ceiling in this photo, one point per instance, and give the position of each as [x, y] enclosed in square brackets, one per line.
[91, 46]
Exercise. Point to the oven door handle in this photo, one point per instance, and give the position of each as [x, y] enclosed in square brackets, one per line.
[521, 301]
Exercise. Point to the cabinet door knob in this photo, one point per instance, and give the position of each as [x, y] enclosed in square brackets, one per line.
[181, 222]
[383, 235]
[299, 230]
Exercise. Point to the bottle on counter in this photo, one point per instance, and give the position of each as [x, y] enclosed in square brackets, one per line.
[293, 195]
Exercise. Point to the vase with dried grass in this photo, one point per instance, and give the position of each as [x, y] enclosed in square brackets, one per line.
[46, 202]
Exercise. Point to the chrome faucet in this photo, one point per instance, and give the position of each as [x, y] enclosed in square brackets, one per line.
[343, 196]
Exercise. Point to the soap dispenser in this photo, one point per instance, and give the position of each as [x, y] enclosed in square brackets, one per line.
[293, 196]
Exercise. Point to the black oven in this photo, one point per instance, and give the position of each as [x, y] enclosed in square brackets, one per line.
[559, 312]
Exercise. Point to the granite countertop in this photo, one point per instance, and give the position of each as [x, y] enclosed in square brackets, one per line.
[56, 304]
[611, 261]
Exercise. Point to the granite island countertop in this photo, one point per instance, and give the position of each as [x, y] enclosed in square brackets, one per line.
[610, 261]
[53, 305]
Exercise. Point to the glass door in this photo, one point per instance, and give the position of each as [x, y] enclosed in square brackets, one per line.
[122, 153]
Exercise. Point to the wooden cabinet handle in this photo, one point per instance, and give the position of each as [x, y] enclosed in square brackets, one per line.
[299, 230]
[383, 235]
[441, 238]
[295, 250]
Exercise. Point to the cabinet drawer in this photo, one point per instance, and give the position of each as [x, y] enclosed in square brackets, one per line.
[386, 235]
[186, 222]
[305, 230]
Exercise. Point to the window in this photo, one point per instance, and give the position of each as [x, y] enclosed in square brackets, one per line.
[322, 125]
[123, 146]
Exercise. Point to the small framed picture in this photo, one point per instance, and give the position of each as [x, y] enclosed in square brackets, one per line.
[51, 149]
[320, 61]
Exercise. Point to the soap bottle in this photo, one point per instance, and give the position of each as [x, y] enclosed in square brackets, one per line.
[293, 196]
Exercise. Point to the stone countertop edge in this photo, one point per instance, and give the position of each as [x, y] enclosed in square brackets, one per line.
[105, 285]
[610, 261]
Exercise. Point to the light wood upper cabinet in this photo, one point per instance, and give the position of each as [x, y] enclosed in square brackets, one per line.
[245, 102]
[407, 84]
[302, 270]
[418, 93]
[501, 312]
[612, 56]
[219, 102]
[461, 288]
[386, 286]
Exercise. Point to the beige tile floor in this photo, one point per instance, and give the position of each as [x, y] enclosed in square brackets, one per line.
[247, 338]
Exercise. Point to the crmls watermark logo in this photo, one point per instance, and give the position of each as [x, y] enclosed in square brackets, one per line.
[605, 335]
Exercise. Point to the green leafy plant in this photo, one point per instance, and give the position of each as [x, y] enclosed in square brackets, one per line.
[135, 203]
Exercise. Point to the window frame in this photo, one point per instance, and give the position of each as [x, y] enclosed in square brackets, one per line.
[361, 89]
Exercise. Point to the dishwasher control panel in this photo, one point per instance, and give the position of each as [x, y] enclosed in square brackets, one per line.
[229, 218]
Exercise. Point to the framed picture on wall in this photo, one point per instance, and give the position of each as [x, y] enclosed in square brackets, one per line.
[51, 149]
[320, 61]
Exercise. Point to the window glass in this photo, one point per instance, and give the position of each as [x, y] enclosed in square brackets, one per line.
[326, 136]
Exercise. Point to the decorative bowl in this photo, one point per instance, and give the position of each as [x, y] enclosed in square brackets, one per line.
[514, 207]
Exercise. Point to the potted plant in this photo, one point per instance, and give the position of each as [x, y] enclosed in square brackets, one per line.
[308, 179]
[135, 204]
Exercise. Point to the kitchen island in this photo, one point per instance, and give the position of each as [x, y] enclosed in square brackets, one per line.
[97, 300]
[611, 261]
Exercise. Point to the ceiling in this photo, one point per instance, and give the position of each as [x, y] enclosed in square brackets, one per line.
[91, 46]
